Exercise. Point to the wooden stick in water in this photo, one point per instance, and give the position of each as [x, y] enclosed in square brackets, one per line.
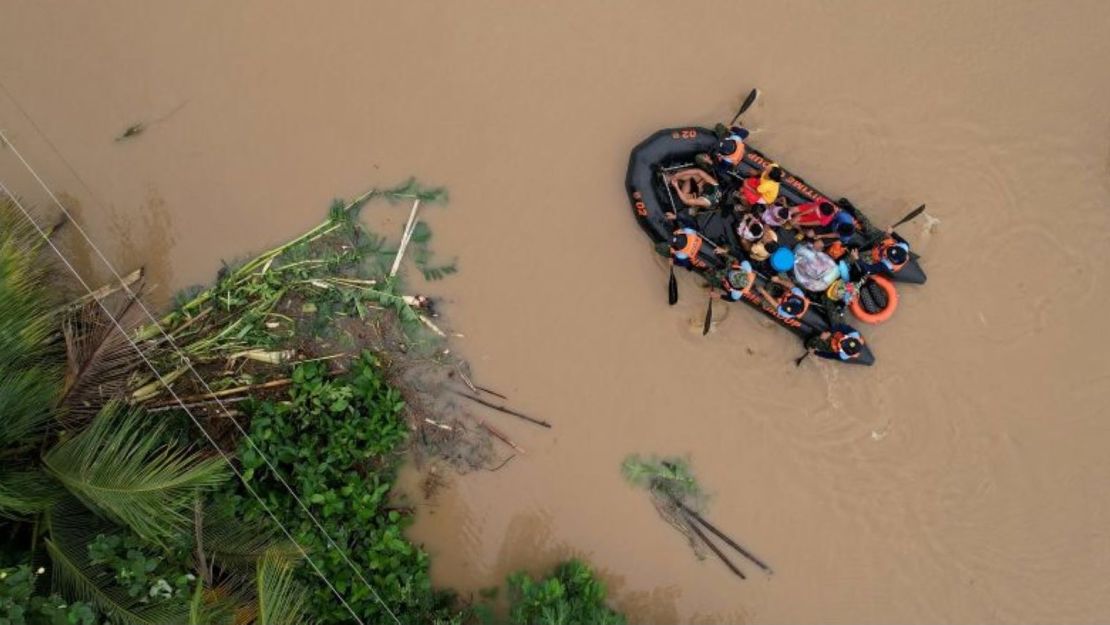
[508, 411]
[731, 543]
[712, 547]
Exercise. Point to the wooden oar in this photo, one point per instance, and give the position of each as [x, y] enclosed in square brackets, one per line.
[748, 102]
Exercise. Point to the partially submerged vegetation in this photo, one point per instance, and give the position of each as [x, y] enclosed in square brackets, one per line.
[680, 501]
[319, 373]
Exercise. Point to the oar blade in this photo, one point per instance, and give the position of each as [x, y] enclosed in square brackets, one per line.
[672, 289]
[748, 102]
[914, 213]
[708, 317]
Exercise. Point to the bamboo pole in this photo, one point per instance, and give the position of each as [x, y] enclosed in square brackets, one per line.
[716, 550]
[409, 227]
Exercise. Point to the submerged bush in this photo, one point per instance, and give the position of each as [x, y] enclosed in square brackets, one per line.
[572, 595]
[338, 443]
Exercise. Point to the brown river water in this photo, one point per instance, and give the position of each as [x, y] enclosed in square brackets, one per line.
[959, 480]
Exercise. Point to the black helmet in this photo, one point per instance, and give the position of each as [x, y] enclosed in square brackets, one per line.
[896, 254]
[728, 146]
[678, 241]
[793, 305]
[851, 346]
[845, 229]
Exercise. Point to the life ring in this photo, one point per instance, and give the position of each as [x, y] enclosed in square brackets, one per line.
[876, 301]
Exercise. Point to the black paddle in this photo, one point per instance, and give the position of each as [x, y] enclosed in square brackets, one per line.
[912, 214]
[672, 288]
[799, 359]
[748, 102]
[708, 315]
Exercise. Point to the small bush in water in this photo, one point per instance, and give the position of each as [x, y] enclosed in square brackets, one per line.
[572, 595]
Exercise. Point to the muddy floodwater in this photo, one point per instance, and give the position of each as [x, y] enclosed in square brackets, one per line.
[962, 479]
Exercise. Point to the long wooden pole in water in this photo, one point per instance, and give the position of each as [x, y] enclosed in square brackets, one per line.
[731, 543]
[713, 548]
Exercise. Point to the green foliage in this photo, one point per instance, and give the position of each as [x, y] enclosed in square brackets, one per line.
[19, 605]
[668, 478]
[338, 443]
[72, 529]
[30, 360]
[572, 595]
[138, 569]
[280, 600]
[422, 254]
[125, 467]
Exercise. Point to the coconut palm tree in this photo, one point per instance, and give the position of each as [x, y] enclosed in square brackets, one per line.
[78, 464]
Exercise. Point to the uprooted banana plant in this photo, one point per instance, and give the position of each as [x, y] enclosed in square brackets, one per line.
[258, 312]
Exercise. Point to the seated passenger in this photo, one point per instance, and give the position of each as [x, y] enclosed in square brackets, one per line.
[736, 281]
[816, 214]
[764, 189]
[776, 214]
[729, 153]
[843, 343]
[888, 256]
[791, 302]
[686, 245]
[696, 188]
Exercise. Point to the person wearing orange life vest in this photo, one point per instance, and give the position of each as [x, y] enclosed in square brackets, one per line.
[736, 281]
[685, 246]
[791, 302]
[888, 256]
[729, 152]
[764, 189]
[842, 343]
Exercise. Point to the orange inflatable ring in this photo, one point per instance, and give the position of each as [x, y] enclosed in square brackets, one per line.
[874, 301]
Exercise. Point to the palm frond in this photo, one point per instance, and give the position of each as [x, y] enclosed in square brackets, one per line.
[279, 600]
[71, 529]
[99, 358]
[27, 397]
[27, 297]
[26, 493]
[123, 467]
[235, 544]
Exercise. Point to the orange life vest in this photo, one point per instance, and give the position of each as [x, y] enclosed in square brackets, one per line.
[878, 254]
[690, 251]
[736, 156]
[837, 337]
[805, 303]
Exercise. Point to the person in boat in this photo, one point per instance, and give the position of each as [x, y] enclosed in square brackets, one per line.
[836, 240]
[842, 343]
[729, 152]
[735, 281]
[777, 214]
[764, 189]
[695, 188]
[790, 301]
[888, 256]
[838, 297]
[756, 238]
[816, 214]
[686, 245]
